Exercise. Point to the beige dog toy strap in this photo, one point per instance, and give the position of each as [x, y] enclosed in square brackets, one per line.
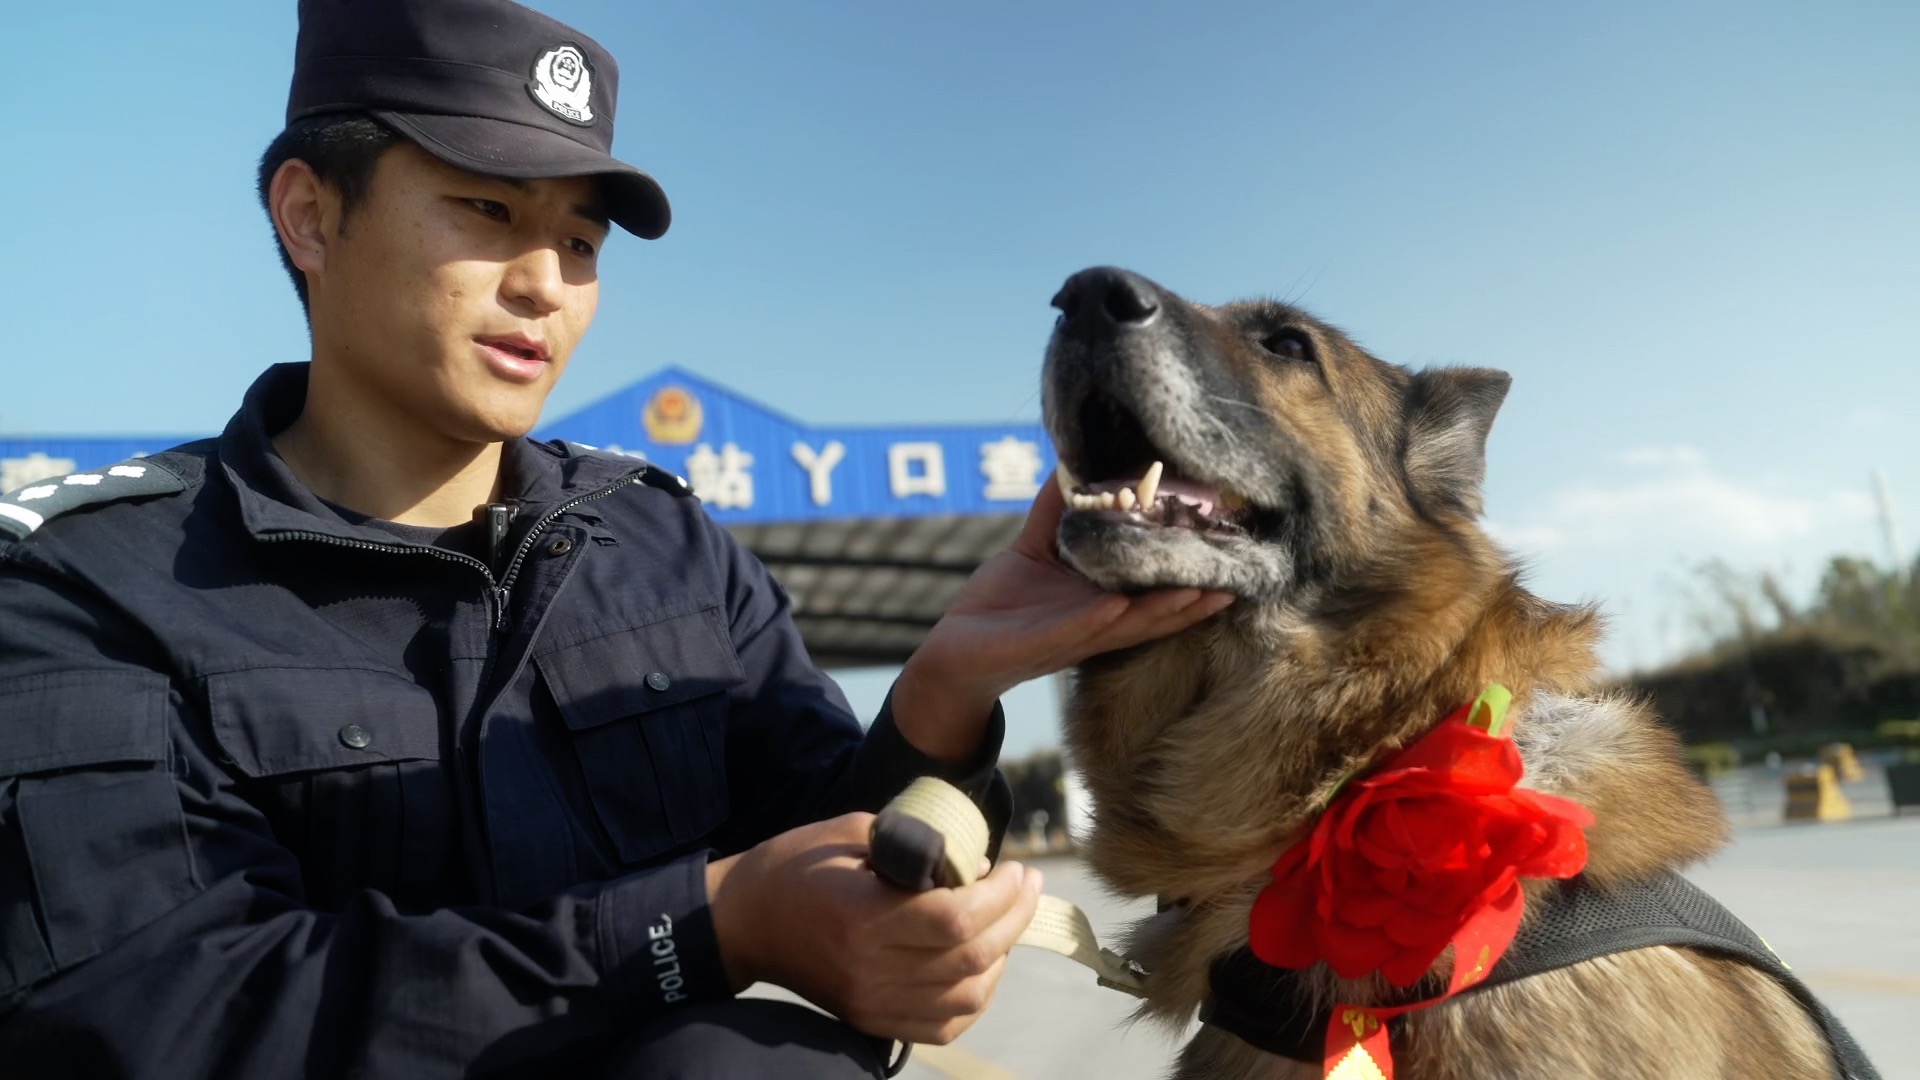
[931, 836]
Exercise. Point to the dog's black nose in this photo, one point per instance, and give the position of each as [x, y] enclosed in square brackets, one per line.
[1103, 299]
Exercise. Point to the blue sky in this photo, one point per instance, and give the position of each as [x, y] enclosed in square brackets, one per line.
[1690, 231]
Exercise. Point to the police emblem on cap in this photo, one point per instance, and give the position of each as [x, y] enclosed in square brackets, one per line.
[563, 82]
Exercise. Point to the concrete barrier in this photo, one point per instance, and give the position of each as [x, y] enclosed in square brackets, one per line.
[1844, 761]
[1815, 796]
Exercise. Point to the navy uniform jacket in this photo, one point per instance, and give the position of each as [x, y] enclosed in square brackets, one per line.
[283, 794]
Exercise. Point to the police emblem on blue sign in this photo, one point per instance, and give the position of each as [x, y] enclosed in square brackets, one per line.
[673, 416]
[563, 83]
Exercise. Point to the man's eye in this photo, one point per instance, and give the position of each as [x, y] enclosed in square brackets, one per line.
[495, 210]
[580, 247]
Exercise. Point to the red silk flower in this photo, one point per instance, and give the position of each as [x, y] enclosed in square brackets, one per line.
[1409, 854]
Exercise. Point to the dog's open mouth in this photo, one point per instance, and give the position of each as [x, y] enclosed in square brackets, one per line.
[1132, 479]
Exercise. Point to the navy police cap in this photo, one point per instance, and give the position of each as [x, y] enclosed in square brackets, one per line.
[484, 85]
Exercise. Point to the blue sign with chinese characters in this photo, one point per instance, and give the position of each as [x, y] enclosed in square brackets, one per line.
[748, 464]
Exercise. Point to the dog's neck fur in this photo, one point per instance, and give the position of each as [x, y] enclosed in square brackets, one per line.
[1208, 753]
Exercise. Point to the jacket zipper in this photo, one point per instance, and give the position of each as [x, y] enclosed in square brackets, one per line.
[498, 591]
[540, 526]
[494, 595]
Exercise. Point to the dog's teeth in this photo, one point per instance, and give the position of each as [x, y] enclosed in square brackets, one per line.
[1125, 498]
[1150, 484]
[1065, 478]
[1080, 502]
[1106, 500]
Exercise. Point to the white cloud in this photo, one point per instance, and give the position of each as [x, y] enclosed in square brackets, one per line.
[1869, 418]
[1658, 456]
[1634, 537]
[1675, 499]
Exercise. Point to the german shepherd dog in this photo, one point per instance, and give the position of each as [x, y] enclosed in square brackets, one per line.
[1256, 449]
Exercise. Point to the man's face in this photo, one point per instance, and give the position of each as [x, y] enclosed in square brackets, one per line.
[456, 299]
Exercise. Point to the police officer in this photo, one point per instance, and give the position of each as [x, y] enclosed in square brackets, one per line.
[372, 738]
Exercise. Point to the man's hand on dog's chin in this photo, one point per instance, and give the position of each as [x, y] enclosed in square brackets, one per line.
[1022, 615]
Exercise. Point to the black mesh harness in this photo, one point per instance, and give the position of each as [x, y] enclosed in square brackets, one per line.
[1267, 1008]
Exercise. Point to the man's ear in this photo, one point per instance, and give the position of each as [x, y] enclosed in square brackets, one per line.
[1449, 413]
[302, 208]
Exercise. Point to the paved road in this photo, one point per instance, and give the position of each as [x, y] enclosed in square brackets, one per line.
[1840, 902]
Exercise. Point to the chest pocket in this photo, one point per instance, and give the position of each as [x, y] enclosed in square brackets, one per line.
[275, 721]
[646, 710]
[346, 765]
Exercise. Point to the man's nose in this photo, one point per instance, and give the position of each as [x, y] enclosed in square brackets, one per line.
[1103, 301]
[536, 280]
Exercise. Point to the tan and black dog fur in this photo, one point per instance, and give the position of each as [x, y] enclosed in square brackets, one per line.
[1338, 496]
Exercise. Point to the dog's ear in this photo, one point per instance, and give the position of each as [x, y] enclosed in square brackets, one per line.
[1449, 413]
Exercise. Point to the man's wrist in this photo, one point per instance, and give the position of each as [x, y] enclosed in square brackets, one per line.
[733, 922]
[940, 716]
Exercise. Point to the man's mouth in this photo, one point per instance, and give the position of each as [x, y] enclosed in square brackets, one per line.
[517, 347]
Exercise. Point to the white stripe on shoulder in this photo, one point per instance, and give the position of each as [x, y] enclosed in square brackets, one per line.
[22, 515]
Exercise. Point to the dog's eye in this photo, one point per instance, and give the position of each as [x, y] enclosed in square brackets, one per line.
[1289, 344]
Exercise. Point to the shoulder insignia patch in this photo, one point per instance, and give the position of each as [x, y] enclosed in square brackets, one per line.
[23, 511]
